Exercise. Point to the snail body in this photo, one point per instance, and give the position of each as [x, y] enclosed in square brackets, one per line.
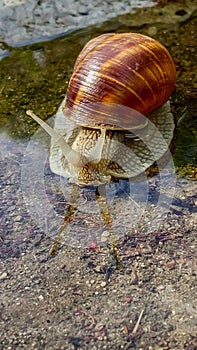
[115, 118]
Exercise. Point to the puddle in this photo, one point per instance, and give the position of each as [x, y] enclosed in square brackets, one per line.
[36, 77]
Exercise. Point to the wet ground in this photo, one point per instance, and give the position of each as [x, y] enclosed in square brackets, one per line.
[77, 299]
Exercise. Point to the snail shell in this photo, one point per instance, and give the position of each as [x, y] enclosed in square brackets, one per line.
[127, 69]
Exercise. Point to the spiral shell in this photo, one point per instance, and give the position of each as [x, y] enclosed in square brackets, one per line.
[117, 71]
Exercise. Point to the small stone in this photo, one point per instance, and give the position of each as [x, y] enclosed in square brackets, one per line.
[99, 326]
[83, 10]
[181, 261]
[170, 265]
[103, 284]
[98, 268]
[127, 299]
[160, 287]
[62, 266]
[180, 12]
[105, 236]
[88, 283]
[3, 275]
[93, 246]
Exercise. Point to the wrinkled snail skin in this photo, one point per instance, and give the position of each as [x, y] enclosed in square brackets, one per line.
[115, 120]
[123, 155]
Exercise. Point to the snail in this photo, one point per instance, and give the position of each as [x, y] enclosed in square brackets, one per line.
[115, 120]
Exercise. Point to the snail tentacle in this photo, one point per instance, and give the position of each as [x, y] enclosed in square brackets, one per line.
[96, 152]
[71, 155]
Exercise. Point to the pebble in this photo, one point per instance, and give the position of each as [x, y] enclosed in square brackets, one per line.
[170, 265]
[3, 275]
[98, 269]
[105, 236]
[103, 284]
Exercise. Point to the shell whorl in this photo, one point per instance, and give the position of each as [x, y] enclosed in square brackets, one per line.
[128, 69]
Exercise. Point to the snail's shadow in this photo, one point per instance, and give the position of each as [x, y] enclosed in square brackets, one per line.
[149, 191]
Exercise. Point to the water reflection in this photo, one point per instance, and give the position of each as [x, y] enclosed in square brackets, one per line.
[35, 200]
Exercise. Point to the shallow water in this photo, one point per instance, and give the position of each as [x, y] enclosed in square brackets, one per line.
[35, 77]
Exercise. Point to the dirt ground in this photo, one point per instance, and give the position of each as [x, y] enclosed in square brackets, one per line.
[77, 299]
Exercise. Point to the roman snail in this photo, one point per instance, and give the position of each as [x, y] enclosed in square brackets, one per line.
[115, 120]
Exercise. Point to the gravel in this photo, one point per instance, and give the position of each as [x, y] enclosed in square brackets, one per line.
[77, 299]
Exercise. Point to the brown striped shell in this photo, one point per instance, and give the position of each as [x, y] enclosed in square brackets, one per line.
[117, 71]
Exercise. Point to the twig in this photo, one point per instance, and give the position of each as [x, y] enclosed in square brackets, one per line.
[137, 323]
[92, 319]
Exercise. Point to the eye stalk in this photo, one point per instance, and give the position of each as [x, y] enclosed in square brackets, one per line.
[71, 155]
